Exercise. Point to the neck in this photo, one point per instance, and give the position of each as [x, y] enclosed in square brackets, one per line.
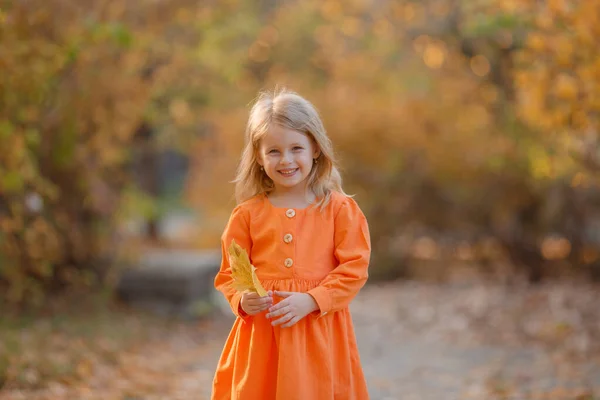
[295, 194]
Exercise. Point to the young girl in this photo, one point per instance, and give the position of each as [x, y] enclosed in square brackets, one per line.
[310, 244]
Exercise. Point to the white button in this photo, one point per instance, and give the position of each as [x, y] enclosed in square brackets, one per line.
[288, 262]
[288, 238]
[290, 213]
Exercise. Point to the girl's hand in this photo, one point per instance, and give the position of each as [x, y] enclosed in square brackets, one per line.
[295, 307]
[252, 303]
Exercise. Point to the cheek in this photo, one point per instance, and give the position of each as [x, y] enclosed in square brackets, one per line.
[270, 161]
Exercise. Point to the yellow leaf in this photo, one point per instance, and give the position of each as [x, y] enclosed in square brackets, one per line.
[243, 273]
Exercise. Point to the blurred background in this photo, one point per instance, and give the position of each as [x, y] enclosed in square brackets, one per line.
[467, 129]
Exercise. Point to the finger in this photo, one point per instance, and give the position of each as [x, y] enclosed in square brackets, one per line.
[284, 294]
[291, 322]
[251, 295]
[260, 301]
[283, 319]
[250, 305]
[253, 302]
[249, 310]
[279, 305]
[266, 302]
[264, 306]
[279, 312]
[257, 310]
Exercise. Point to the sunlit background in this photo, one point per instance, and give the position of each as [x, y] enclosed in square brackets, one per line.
[468, 131]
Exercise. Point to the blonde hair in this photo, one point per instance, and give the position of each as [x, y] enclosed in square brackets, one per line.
[289, 110]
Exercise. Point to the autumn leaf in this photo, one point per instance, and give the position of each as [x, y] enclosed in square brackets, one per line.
[242, 271]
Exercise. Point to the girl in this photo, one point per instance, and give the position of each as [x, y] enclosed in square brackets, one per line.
[310, 244]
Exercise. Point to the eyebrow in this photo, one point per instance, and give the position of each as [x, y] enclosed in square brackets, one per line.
[291, 144]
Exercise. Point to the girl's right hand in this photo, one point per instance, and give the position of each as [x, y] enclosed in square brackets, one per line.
[253, 304]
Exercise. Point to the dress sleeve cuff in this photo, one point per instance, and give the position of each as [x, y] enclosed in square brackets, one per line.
[322, 298]
[236, 307]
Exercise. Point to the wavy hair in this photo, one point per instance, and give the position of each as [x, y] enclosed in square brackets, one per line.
[289, 110]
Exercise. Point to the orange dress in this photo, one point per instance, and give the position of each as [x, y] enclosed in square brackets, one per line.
[323, 252]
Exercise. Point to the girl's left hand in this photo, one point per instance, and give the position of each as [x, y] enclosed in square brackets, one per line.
[295, 307]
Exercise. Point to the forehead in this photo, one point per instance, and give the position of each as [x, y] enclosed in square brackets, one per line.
[278, 135]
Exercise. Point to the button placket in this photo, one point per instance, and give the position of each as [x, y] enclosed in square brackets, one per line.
[288, 238]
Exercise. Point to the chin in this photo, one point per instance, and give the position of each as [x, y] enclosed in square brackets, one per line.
[289, 185]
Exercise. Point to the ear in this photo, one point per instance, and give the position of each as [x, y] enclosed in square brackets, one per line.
[258, 157]
[316, 153]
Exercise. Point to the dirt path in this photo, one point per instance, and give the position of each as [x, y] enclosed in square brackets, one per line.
[444, 342]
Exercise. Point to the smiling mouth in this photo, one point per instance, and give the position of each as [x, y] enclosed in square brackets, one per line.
[288, 172]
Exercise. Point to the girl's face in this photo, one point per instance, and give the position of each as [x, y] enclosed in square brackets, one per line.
[287, 157]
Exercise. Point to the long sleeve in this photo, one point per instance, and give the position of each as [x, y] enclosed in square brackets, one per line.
[353, 252]
[237, 229]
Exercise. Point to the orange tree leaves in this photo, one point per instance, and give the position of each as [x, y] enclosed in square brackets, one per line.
[559, 76]
[76, 82]
[558, 73]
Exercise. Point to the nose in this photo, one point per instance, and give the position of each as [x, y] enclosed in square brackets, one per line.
[286, 157]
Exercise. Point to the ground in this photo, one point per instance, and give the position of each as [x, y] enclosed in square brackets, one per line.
[417, 341]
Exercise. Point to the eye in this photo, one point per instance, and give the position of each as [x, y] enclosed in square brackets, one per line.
[297, 148]
[273, 151]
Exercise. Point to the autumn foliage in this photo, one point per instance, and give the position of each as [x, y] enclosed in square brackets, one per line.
[76, 80]
[559, 74]
[478, 118]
